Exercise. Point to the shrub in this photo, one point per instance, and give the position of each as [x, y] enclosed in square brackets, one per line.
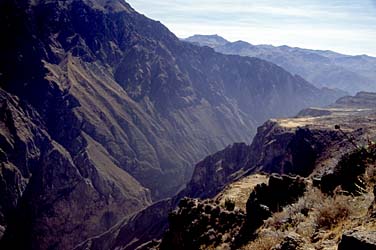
[332, 211]
[266, 241]
[229, 204]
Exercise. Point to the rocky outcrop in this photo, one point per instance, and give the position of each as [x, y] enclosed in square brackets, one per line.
[290, 242]
[372, 207]
[199, 224]
[266, 199]
[217, 170]
[289, 150]
[276, 148]
[202, 224]
[348, 172]
[354, 239]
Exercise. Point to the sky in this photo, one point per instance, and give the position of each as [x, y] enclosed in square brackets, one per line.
[346, 26]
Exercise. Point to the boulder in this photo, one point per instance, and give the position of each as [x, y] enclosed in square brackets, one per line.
[347, 173]
[290, 242]
[267, 199]
[196, 224]
[354, 239]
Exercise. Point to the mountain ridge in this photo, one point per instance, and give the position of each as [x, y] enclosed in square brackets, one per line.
[323, 68]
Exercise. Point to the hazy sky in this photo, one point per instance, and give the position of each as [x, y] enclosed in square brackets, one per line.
[347, 26]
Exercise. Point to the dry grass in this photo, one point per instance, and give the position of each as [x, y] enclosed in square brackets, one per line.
[267, 240]
[239, 191]
[332, 211]
[319, 219]
[296, 122]
[370, 176]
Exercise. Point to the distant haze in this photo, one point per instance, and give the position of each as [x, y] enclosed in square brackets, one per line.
[346, 26]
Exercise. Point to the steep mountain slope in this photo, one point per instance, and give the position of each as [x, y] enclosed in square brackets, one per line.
[308, 145]
[46, 193]
[103, 108]
[322, 68]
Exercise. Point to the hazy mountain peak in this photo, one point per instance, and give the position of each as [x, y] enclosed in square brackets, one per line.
[207, 40]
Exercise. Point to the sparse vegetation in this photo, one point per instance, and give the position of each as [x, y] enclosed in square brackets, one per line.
[287, 212]
[316, 217]
[319, 218]
[331, 211]
[321, 211]
[239, 191]
[229, 204]
[266, 241]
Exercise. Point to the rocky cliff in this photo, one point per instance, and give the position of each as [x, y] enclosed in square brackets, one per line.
[299, 145]
[332, 147]
[310, 145]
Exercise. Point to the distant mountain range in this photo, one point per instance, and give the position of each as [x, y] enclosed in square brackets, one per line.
[322, 68]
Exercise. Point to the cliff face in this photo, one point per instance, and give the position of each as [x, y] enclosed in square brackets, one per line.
[217, 170]
[298, 145]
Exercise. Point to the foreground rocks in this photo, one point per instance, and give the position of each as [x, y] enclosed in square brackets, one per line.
[354, 239]
[348, 172]
[202, 224]
[268, 199]
[290, 242]
[197, 224]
